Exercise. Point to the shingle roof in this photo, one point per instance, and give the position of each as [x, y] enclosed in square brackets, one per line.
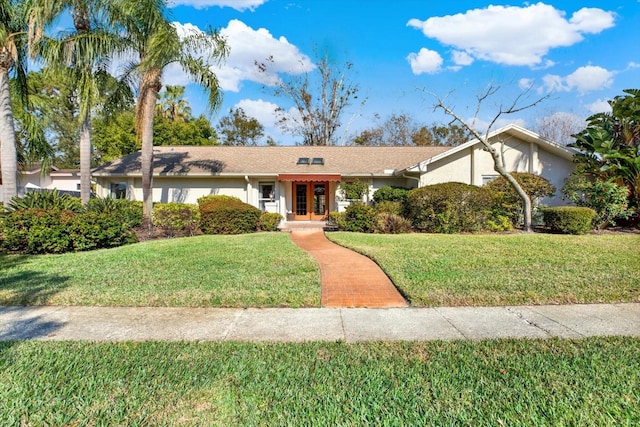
[221, 160]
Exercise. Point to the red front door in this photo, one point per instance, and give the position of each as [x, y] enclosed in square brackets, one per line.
[310, 201]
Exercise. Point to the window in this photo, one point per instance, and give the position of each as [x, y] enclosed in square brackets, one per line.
[119, 190]
[78, 187]
[267, 193]
[488, 178]
[303, 161]
[317, 161]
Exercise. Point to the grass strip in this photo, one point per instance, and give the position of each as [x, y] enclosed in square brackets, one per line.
[258, 270]
[505, 269]
[594, 381]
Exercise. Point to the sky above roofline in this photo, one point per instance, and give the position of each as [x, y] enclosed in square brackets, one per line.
[407, 52]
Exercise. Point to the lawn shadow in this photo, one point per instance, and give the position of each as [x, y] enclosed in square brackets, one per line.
[27, 287]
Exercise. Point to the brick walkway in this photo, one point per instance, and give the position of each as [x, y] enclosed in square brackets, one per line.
[348, 278]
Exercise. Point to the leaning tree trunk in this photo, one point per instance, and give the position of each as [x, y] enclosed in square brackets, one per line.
[85, 160]
[149, 88]
[8, 152]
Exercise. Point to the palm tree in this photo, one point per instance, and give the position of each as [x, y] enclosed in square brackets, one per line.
[173, 106]
[83, 53]
[156, 44]
[12, 60]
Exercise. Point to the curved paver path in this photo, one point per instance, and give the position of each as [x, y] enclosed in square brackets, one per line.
[348, 278]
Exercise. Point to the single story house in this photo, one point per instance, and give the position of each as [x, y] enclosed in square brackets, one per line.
[31, 178]
[302, 182]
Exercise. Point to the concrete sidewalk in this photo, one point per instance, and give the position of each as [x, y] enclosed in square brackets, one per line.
[50, 323]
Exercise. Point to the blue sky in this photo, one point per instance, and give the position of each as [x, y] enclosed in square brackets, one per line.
[580, 52]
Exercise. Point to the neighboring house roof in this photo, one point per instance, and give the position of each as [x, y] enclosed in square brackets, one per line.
[495, 136]
[225, 160]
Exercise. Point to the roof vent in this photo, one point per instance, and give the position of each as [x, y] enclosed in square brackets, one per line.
[303, 160]
[317, 161]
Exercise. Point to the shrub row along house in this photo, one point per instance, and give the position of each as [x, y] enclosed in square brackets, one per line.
[302, 182]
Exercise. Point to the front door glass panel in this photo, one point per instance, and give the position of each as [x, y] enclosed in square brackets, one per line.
[301, 199]
[319, 199]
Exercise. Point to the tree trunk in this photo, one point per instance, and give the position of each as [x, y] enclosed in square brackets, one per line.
[149, 88]
[8, 152]
[85, 160]
[499, 167]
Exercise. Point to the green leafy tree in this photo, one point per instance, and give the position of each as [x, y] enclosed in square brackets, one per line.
[83, 53]
[192, 132]
[114, 136]
[172, 105]
[608, 199]
[239, 129]
[610, 145]
[156, 44]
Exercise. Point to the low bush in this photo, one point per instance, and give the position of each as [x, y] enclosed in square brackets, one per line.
[338, 219]
[38, 231]
[388, 223]
[609, 200]
[269, 221]
[359, 217]
[390, 194]
[128, 212]
[569, 219]
[508, 201]
[354, 190]
[45, 199]
[388, 207]
[176, 218]
[228, 217]
[450, 207]
[217, 198]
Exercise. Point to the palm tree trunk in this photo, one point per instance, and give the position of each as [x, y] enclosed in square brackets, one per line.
[85, 160]
[8, 152]
[149, 88]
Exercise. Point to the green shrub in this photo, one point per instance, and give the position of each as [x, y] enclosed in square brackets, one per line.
[37, 231]
[338, 219]
[390, 194]
[569, 219]
[359, 217]
[609, 200]
[217, 198]
[128, 212]
[499, 223]
[388, 207]
[388, 223]
[176, 218]
[509, 203]
[353, 190]
[228, 217]
[92, 230]
[269, 221]
[45, 199]
[450, 207]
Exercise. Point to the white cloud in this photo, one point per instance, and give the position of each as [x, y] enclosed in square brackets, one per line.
[525, 84]
[240, 5]
[248, 46]
[261, 110]
[599, 106]
[584, 79]
[425, 61]
[462, 58]
[513, 35]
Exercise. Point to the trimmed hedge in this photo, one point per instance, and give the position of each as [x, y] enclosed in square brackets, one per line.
[129, 212]
[388, 193]
[38, 231]
[217, 198]
[176, 218]
[359, 217]
[228, 217]
[450, 207]
[569, 219]
[269, 221]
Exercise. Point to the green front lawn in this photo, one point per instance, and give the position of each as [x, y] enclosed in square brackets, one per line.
[497, 269]
[263, 269]
[588, 382]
